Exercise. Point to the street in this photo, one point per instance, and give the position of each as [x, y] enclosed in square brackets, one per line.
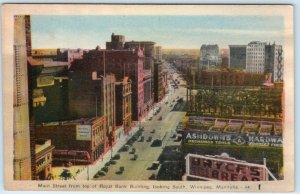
[161, 127]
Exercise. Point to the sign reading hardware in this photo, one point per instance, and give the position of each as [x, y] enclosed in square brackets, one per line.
[208, 137]
[83, 132]
[211, 168]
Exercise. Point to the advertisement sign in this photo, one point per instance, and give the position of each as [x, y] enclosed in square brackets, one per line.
[224, 138]
[212, 168]
[83, 132]
[43, 81]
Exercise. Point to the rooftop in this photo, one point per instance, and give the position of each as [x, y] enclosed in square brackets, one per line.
[81, 121]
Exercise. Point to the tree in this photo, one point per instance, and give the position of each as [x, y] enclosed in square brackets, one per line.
[66, 175]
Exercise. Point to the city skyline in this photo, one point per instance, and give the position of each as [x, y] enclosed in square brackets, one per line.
[95, 97]
[168, 31]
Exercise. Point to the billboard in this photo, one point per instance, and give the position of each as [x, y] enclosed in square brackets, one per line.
[223, 169]
[83, 132]
[227, 138]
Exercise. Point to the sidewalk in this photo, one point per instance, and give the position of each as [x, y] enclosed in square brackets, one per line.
[89, 171]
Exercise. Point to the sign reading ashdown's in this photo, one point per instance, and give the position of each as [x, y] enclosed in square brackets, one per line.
[225, 138]
[223, 169]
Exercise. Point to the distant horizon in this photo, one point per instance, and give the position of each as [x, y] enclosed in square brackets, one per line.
[170, 32]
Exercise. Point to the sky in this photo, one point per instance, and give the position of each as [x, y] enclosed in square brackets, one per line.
[168, 31]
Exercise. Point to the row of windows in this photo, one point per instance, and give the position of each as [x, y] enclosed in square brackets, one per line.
[43, 160]
[256, 49]
[255, 57]
[255, 54]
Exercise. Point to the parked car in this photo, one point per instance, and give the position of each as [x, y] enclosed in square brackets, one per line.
[156, 143]
[105, 169]
[149, 139]
[100, 173]
[142, 139]
[117, 157]
[133, 150]
[135, 156]
[125, 148]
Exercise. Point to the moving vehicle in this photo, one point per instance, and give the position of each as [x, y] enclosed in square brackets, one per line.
[155, 165]
[180, 100]
[156, 143]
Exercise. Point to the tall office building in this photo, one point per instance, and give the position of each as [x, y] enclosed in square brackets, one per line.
[255, 57]
[274, 61]
[22, 156]
[157, 53]
[237, 56]
[117, 42]
[265, 58]
[209, 56]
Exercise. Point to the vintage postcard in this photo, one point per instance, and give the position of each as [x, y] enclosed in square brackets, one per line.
[194, 98]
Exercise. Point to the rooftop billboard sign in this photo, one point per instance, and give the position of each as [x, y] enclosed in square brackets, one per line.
[230, 138]
[223, 169]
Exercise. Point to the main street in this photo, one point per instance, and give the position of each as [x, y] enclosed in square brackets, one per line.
[161, 127]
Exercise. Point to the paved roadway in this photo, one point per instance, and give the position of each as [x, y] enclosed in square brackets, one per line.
[164, 130]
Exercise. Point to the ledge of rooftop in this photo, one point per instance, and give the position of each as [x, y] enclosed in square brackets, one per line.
[68, 122]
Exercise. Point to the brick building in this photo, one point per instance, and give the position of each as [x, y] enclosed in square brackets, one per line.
[159, 90]
[49, 92]
[121, 63]
[90, 95]
[76, 142]
[165, 82]
[118, 43]
[147, 46]
[69, 55]
[23, 146]
[149, 54]
[158, 53]
[123, 104]
[224, 57]
[43, 159]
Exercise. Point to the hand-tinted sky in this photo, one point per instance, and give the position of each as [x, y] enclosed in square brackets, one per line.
[167, 31]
